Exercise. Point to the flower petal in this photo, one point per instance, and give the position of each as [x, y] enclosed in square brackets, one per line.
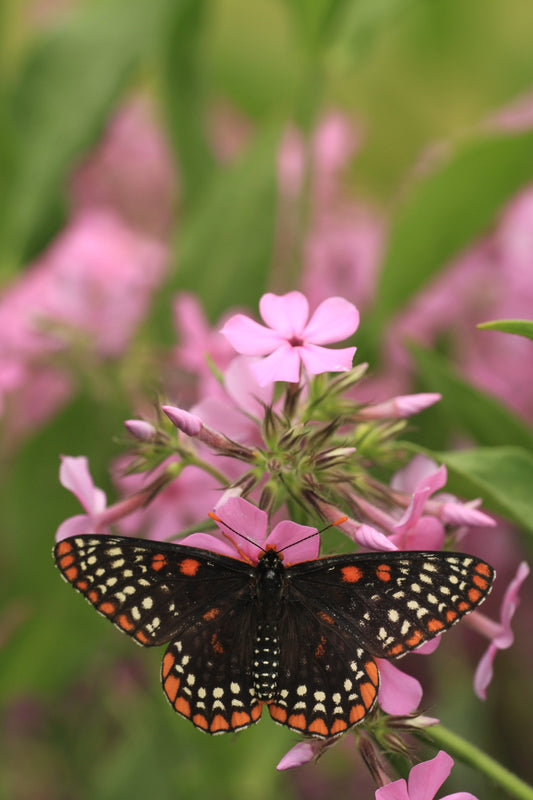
[74, 475]
[321, 359]
[205, 541]
[286, 313]
[334, 320]
[301, 753]
[243, 388]
[425, 779]
[397, 790]
[80, 525]
[289, 536]
[369, 537]
[249, 337]
[281, 365]
[246, 519]
[398, 693]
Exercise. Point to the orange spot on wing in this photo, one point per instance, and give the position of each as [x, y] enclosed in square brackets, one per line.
[451, 615]
[219, 723]
[463, 605]
[182, 706]
[483, 569]
[480, 582]
[66, 560]
[125, 622]
[415, 638]
[351, 574]
[240, 719]
[82, 586]
[383, 572]
[297, 721]
[371, 670]
[434, 625]
[200, 721]
[319, 727]
[168, 663]
[216, 644]
[357, 713]
[368, 693]
[142, 637]
[338, 727]
[211, 614]
[257, 710]
[474, 595]
[326, 618]
[172, 684]
[107, 607]
[278, 713]
[71, 574]
[395, 650]
[93, 595]
[189, 567]
[63, 548]
[159, 561]
[321, 647]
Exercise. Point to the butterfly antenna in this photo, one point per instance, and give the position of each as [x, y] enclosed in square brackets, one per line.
[237, 533]
[316, 533]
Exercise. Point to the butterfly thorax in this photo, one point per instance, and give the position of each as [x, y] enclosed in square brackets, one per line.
[269, 595]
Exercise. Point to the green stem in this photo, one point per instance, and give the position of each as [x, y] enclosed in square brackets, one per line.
[472, 755]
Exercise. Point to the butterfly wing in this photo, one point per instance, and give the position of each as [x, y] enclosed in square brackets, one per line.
[392, 603]
[327, 680]
[150, 590]
[206, 671]
[199, 601]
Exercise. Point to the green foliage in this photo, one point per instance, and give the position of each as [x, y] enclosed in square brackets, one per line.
[520, 327]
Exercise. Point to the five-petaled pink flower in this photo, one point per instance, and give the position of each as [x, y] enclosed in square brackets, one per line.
[292, 339]
[424, 781]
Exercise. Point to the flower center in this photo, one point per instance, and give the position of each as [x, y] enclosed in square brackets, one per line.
[296, 341]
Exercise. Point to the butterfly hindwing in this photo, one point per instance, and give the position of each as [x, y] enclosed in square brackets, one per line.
[206, 670]
[150, 590]
[393, 603]
[327, 681]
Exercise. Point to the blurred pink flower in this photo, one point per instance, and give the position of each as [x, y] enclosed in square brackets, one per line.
[425, 779]
[93, 284]
[500, 634]
[291, 340]
[131, 172]
[74, 475]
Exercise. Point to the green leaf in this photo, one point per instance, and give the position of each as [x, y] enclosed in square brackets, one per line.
[483, 418]
[521, 327]
[64, 93]
[446, 211]
[501, 476]
[183, 92]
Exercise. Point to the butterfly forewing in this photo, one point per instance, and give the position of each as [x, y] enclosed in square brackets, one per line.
[392, 603]
[150, 590]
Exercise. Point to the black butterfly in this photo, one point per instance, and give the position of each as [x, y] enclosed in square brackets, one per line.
[301, 639]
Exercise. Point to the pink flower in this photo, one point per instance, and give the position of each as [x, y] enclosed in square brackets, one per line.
[501, 635]
[425, 780]
[238, 516]
[291, 340]
[74, 475]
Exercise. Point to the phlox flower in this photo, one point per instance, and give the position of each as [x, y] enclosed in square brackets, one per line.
[292, 339]
[75, 476]
[424, 781]
[500, 634]
[237, 516]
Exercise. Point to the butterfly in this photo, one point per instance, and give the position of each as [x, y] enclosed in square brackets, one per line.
[301, 639]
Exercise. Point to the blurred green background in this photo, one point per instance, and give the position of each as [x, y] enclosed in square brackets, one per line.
[82, 714]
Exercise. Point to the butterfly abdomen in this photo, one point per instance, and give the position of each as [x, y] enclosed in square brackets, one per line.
[265, 664]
